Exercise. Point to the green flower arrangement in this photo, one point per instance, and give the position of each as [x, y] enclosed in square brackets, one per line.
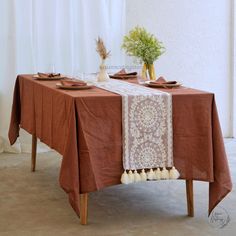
[145, 47]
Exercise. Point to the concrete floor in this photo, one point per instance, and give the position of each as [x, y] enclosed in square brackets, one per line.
[34, 204]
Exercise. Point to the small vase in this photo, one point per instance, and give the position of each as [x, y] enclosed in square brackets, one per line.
[144, 71]
[148, 68]
[102, 75]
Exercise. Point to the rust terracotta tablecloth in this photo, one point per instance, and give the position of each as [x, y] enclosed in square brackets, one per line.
[85, 127]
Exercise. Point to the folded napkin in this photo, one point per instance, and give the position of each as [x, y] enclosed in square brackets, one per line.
[161, 81]
[50, 75]
[122, 74]
[73, 83]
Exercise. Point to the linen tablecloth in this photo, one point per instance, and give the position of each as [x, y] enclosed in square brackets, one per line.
[85, 127]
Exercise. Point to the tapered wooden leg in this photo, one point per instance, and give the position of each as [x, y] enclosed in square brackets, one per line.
[189, 194]
[83, 208]
[33, 152]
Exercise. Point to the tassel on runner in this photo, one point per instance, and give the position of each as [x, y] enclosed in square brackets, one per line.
[131, 176]
[151, 175]
[164, 173]
[125, 178]
[158, 173]
[137, 177]
[143, 175]
[174, 173]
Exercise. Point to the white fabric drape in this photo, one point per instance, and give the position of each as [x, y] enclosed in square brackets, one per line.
[42, 35]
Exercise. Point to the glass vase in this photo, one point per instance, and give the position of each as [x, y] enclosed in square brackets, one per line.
[148, 70]
[102, 75]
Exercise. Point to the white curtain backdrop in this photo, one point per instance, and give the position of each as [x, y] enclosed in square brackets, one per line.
[42, 35]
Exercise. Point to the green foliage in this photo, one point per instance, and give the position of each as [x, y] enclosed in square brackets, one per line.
[142, 45]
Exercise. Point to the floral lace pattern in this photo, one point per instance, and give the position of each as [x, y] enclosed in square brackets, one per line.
[147, 125]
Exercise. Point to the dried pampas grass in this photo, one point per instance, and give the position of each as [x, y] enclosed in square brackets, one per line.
[101, 49]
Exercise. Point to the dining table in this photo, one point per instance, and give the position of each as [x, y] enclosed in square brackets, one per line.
[85, 127]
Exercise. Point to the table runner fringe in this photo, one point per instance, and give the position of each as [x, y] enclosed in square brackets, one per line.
[158, 174]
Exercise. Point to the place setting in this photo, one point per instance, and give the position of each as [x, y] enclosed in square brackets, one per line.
[73, 84]
[48, 76]
[124, 75]
[65, 82]
[162, 83]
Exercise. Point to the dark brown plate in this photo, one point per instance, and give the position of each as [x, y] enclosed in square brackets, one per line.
[162, 85]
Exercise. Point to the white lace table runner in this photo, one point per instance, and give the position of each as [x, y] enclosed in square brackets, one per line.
[147, 131]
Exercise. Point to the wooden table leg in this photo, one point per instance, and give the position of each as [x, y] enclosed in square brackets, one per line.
[189, 194]
[83, 208]
[33, 152]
